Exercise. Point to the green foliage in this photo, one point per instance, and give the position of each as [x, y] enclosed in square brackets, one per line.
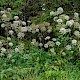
[37, 65]
[11, 3]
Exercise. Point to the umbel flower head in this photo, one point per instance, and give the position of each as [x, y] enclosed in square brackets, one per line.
[2, 12]
[47, 38]
[52, 13]
[68, 47]
[11, 32]
[20, 35]
[59, 21]
[23, 29]
[3, 50]
[77, 33]
[60, 10]
[16, 49]
[4, 16]
[58, 43]
[76, 16]
[16, 18]
[10, 44]
[24, 23]
[3, 25]
[50, 43]
[70, 23]
[63, 31]
[8, 38]
[45, 45]
[40, 44]
[9, 9]
[74, 42]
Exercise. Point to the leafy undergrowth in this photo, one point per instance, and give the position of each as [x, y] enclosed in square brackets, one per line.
[46, 46]
[37, 64]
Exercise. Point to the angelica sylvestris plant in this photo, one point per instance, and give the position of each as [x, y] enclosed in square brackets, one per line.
[14, 28]
[63, 36]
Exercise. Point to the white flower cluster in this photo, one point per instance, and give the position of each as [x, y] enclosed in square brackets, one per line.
[43, 34]
[70, 23]
[76, 16]
[3, 49]
[6, 48]
[59, 11]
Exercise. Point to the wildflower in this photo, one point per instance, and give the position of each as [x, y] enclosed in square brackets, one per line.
[29, 21]
[44, 4]
[43, 29]
[52, 13]
[49, 30]
[16, 23]
[77, 33]
[3, 50]
[63, 31]
[9, 9]
[63, 53]
[8, 38]
[37, 30]
[74, 42]
[33, 40]
[66, 17]
[53, 39]
[16, 50]
[34, 32]
[45, 45]
[50, 43]
[36, 44]
[2, 12]
[40, 44]
[76, 25]
[34, 27]
[59, 21]
[68, 47]
[43, 9]
[3, 25]
[60, 10]
[55, 19]
[24, 23]
[70, 23]
[32, 43]
[76, 14]
[68, 30]
[11, 44]
[58, 43]
[29, 28]
[11, 32]
[24, 29]
[47, 38]
[20, 35]
[16, 18]
[4, 16]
